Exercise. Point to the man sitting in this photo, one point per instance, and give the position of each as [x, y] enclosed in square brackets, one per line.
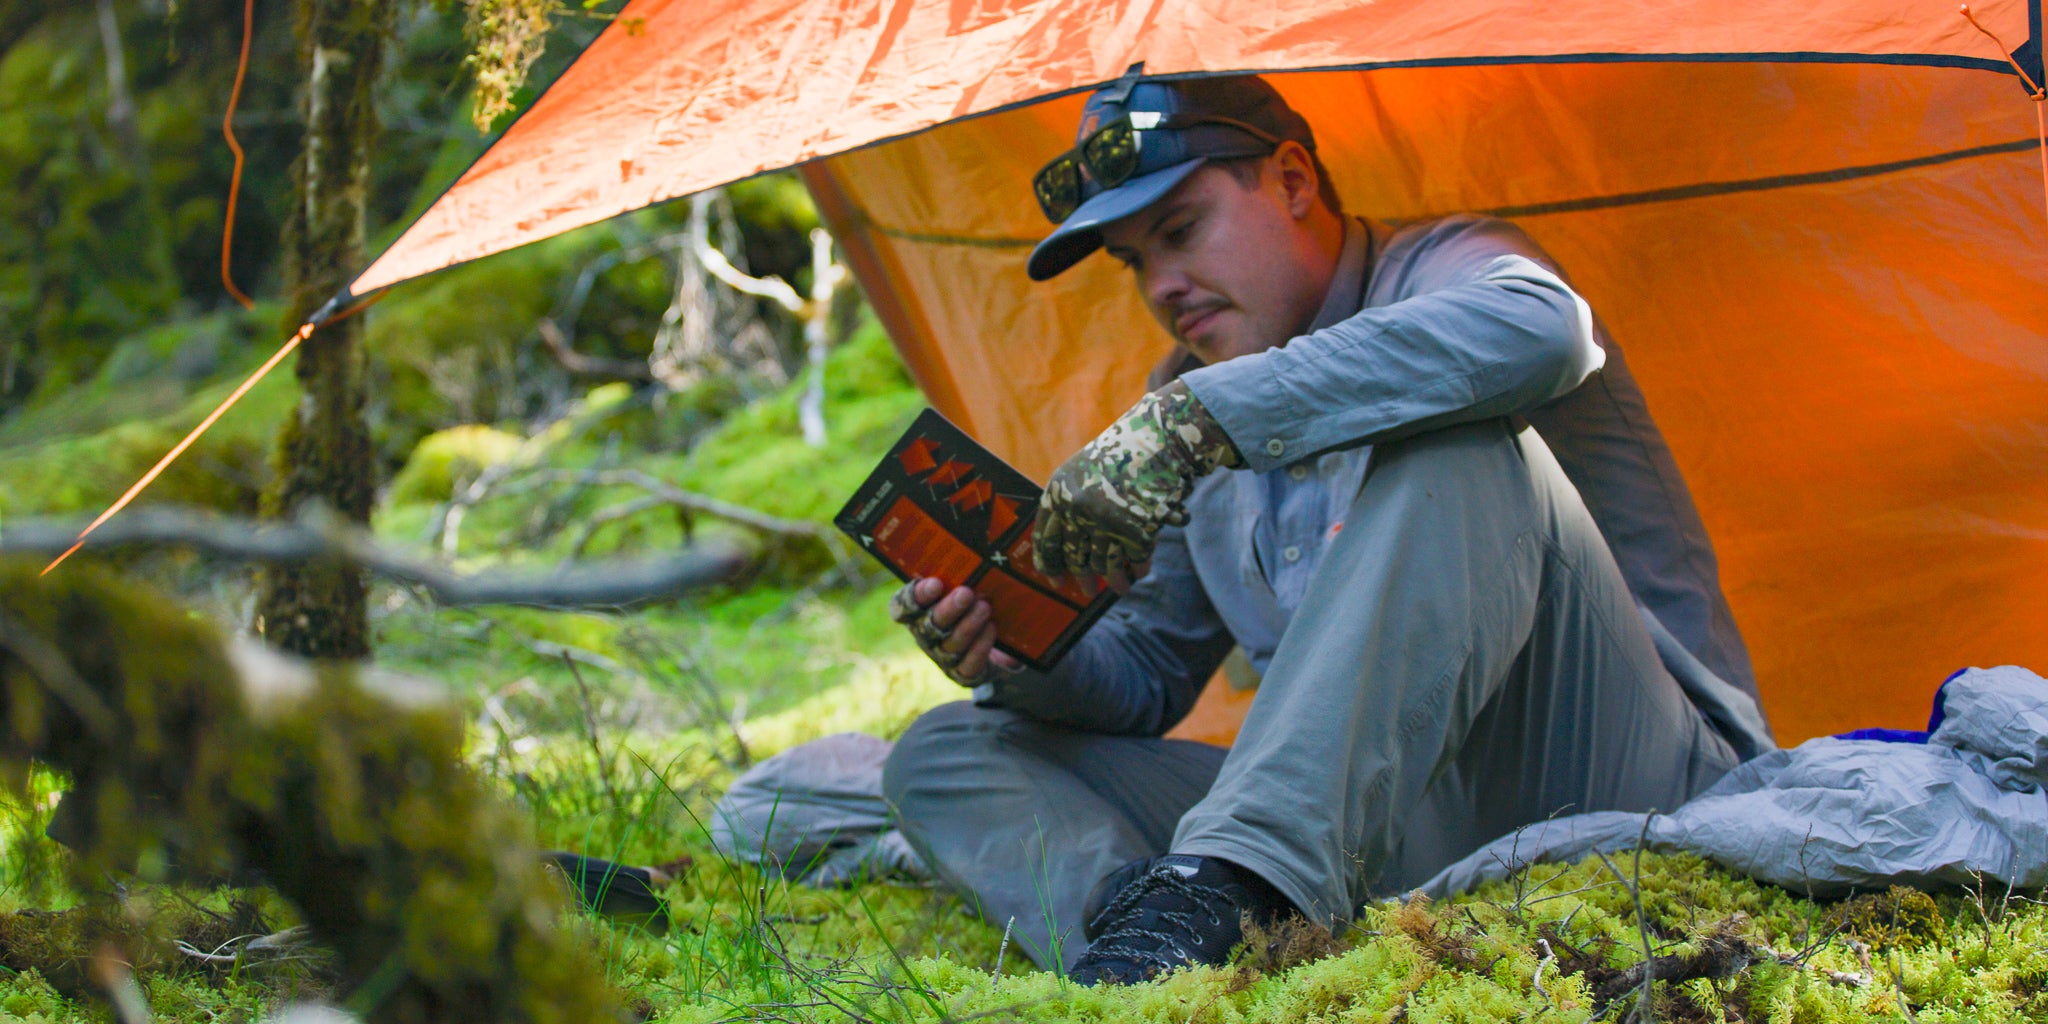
[1407, 473]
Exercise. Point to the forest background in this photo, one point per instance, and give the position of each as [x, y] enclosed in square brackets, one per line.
[611, 393]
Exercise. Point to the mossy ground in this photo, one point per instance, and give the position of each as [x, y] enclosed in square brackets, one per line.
[622, 754]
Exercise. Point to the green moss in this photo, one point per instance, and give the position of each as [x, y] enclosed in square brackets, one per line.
[758, 454]
[78, 453]
[1897, 916]
[444, 458]
[349, 796]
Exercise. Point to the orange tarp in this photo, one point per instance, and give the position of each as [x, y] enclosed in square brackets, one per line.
[1816, 229]
[1852, 374]
[683, 95]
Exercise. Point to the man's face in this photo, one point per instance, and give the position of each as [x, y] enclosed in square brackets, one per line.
[1229, 269]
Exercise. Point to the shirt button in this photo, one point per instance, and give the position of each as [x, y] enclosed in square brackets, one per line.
[1297, 473]
[1275, 447]
[1292, 553]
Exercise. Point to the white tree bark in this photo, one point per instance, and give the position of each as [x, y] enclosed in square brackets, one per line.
[817, 314]
[815, 311]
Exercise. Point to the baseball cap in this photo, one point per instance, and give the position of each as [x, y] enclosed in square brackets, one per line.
[1166, 155]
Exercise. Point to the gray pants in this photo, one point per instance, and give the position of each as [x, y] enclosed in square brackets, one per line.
[1467, 660]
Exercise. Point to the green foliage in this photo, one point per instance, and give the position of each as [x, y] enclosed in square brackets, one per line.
[75, 450]
[102, 235]
[507, 37]
[759, 452]
[623, 757]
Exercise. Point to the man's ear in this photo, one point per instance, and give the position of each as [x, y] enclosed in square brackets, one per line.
[1299, 185]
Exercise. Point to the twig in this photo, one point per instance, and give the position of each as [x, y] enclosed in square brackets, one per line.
[1005, 947]
[603, 517]
[604, 767]
[1899, 987]
[1845, 978]
[1549, 957]
[318, 536]
[282, 944]
[1635, 892]
[551, 649]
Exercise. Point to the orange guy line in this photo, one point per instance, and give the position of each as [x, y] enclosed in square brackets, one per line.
[227, 128]
[2034, 89]
[305, 331]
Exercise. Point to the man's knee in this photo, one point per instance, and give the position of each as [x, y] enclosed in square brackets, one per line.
[1491, 481]
[938, 740]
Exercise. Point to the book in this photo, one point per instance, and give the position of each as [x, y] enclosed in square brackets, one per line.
[940, 504]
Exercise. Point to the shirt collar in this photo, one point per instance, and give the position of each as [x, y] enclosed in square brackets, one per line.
[1347, 285]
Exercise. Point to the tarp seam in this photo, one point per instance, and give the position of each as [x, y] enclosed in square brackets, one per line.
[1642, 198]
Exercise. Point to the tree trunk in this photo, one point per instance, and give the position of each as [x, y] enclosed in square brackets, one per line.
[324, 450]
[134, 153]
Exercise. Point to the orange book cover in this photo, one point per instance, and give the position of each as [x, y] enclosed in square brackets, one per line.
[940, 504]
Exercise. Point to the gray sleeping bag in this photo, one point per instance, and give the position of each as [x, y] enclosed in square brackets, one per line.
[1834, 815]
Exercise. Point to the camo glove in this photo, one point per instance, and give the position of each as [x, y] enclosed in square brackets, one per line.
[1104, 507]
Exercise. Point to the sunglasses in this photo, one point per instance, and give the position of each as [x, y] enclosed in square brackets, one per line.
[1109, 156]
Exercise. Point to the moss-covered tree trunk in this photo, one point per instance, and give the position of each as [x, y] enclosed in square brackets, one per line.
[324, 449]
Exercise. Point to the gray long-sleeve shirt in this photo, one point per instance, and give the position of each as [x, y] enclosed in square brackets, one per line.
[1444, 322]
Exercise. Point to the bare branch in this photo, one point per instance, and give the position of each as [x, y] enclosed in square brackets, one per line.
[706, 505]
[319, 536]
[773, 289]
[604, 517]
[584, 364]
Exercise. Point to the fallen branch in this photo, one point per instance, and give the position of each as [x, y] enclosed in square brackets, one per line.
[1720, 956]
[318, 536]
[667, 493]
[282, 944]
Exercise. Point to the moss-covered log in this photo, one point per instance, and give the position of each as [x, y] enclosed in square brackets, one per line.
[345, 790]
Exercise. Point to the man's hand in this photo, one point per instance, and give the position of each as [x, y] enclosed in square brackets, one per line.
[956, 629]
[1103, 508]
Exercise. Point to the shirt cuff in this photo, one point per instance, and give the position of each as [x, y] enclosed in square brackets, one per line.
[1248, 402]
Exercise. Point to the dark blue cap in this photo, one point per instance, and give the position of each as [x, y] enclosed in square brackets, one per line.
[1165, 157]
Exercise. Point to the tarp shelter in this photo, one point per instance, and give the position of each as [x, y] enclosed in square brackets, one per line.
[1815, 226]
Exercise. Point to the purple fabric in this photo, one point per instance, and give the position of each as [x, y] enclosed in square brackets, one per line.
[1934, 720]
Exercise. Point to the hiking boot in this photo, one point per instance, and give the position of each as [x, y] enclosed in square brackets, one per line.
[1092, 918]
[1179, 910]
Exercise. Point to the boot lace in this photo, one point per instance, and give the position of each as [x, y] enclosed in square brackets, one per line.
[1127, 936]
